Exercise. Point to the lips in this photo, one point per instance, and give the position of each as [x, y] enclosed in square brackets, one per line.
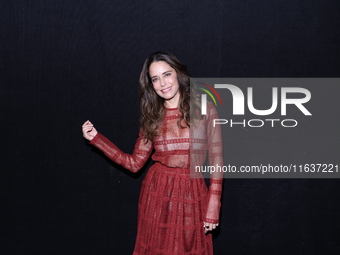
[166, 90]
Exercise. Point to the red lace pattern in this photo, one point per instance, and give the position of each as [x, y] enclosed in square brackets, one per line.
[172, 205]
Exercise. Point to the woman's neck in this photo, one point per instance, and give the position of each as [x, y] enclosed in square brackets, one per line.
[173, 102]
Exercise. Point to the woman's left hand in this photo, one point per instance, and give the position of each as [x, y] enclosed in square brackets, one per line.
[209, 226]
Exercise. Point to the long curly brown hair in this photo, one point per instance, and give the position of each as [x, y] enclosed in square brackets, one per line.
[152, 105]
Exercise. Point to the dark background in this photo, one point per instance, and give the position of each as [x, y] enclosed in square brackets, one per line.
[63, 62]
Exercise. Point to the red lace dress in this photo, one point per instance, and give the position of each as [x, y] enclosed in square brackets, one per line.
[173, 205]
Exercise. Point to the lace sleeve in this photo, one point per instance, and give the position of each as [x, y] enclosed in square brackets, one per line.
[133, 162]
[215, 155]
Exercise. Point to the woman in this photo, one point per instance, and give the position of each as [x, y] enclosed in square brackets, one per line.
[175, 211]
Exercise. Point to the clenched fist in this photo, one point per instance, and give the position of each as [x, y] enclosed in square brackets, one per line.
[88, 130]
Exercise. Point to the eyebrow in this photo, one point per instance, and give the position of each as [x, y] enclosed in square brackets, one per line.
[162, 73]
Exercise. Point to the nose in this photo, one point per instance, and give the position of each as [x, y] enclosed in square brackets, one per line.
[162, 81]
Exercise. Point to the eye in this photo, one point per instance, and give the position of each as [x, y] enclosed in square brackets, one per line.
[167, 74]
[154, 79]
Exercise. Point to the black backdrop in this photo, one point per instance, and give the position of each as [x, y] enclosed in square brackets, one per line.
[63, 62]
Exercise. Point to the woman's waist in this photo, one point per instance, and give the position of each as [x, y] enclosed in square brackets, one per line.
[185, 171]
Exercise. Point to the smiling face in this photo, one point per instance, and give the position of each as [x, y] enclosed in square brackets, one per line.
[165, 82]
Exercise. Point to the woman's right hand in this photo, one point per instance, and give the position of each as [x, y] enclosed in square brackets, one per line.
[88, 130]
